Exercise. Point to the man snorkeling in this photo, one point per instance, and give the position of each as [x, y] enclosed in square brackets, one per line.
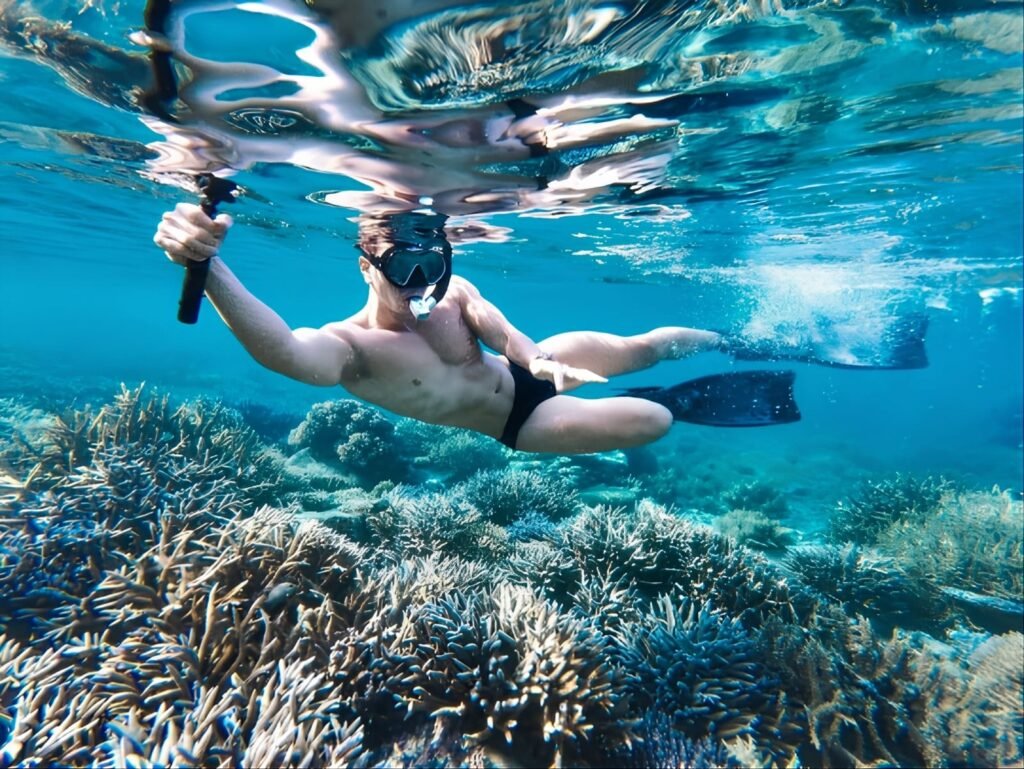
[415, 350]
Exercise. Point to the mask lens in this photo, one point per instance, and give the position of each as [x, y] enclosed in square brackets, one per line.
[400, 265]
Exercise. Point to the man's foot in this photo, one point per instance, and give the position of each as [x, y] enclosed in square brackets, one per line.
[675, 342]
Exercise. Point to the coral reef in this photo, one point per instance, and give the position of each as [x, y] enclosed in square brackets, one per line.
[752, 528]
[455, 452]
[159, 606]
[704, 670]
[352, 435]
[968, 540]
[508, 495]
[657, 553]
[435, 523]
[866, 582]
[879, 504]
[757, 496]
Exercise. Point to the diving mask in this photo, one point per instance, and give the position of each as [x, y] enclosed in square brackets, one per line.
[408, 266]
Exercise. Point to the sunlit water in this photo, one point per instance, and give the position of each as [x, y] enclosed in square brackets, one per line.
[713, 165]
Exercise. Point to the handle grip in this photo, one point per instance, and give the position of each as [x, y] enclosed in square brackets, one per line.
[213, 190]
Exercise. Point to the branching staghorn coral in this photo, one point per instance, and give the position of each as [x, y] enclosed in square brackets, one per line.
[508, 495]
[174, 657]
[413, 581]
[971, 540]
[705, 670]
[879, 504]
[976, 717]
[58, 542]
[420, 525]
[867, 582]
[550, 570]
[612, 604]
[661, 553]
[571, 692]
[505, 670]
[454, 451]
[203, 432]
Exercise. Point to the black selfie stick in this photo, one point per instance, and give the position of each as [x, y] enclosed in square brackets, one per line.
[212, 190]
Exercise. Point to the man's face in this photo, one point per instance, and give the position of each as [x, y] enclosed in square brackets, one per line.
[392, 297]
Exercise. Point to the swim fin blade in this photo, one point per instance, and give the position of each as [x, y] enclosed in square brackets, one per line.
[900, 347]
[736, 399]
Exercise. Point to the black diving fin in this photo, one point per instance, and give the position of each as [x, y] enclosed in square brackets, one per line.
[736, 399]
[901, 346]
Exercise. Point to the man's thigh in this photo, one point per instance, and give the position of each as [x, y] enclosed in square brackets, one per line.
[569, 425]
[604, 354]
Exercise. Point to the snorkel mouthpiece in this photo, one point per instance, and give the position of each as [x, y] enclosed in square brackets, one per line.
[421, 307]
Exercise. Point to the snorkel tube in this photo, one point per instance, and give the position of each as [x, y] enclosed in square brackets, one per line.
[212, 190]
[422, 305]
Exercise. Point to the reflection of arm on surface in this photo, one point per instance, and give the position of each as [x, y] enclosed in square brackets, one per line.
[492, 327]
[313, 356]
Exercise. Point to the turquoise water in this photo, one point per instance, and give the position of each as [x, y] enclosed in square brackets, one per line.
[714, 166]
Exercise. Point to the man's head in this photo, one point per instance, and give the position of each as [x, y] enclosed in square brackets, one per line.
[410, 259]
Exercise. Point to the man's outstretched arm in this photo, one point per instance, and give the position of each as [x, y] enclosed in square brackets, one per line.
[313, 356]
[494, 330]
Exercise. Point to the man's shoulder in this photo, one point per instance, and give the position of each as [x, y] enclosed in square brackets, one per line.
[462, 286]
[347, 330]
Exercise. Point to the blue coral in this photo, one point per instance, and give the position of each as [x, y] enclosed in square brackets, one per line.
[705, 670]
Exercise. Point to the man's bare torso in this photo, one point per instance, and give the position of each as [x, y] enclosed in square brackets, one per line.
[434, 371]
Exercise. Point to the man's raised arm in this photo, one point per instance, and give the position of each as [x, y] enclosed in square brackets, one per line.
[313, 356]
[493, 329]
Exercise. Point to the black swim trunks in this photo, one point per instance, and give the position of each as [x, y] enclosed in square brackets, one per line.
[530, 392]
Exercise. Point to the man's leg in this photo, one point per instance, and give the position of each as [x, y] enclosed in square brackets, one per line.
[568, 425]
[610, 355]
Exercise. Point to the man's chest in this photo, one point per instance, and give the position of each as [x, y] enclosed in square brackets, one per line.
[437, 343]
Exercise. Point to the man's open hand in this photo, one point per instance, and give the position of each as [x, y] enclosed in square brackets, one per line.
[562, 375]
[188, 233]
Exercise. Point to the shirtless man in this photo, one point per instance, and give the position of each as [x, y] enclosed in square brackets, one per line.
[415, 350]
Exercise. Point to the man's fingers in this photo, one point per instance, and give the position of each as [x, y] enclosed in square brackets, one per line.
[205, 248]
[184, 228]
[180, 250]
[584, 375]
[197, 217]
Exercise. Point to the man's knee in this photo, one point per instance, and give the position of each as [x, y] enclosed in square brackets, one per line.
[652, 423]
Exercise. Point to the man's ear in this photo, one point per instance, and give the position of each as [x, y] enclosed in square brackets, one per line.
[365, 266]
